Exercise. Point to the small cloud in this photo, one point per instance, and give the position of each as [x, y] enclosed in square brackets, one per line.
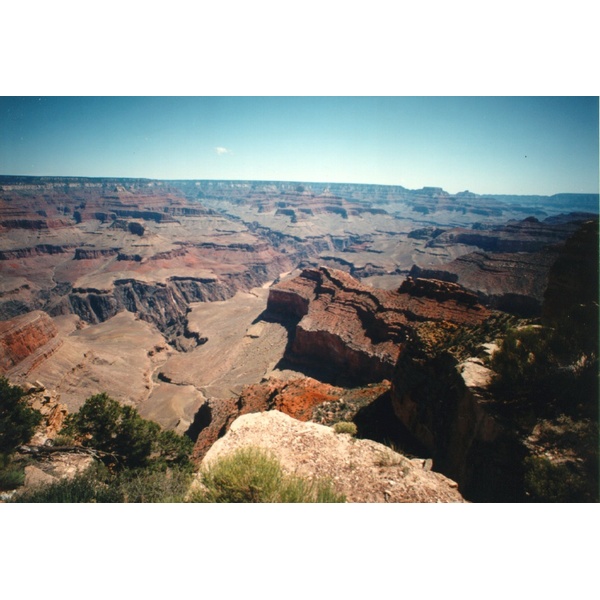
[220, 150]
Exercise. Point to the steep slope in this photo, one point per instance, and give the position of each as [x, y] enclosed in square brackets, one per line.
[352, 332]
[298, 397]
[511, 273]
[31, 337]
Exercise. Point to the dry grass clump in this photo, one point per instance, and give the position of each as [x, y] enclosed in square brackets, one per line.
[255, 476]
[345, 427]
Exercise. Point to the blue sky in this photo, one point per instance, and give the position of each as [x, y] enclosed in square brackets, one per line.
[502, 145]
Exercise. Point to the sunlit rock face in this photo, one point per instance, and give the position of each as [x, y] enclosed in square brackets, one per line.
[357, 331]
[31, 336]
[362, 470]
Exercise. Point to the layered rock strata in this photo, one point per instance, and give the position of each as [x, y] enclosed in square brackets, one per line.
[356, 332]
[32, 336]
[528, 235]
[513, 283]
[94, 248]
[512, 272]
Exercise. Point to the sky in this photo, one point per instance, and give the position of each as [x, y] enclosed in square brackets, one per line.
[493, 145]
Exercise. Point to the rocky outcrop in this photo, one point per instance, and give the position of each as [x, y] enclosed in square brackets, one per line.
[90, 253]
[438, 291]
[356, 331]
[362, 470]
[528, 235]
[38, 250]
[446, 407]
[25, 337]
[53, 411]
[513, 283]
[296, 398]
[513, 274]
[24, 224]
[211, 422]
[50, 465]
[299, 398]
[166, 305]
[573, 278]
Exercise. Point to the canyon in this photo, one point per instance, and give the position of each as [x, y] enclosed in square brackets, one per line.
[199, 302]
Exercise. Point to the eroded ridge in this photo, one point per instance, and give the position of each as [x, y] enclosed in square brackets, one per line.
[360, 331]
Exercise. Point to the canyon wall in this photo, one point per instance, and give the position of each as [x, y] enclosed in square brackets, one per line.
[26, 336]
[356, 333]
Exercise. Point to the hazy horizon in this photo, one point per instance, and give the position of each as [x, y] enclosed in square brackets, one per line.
[295, 181]
[487, 145]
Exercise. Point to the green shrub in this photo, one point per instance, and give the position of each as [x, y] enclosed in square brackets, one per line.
[125, 439]
[117, 431]
[83, 488]
[524, 357]
[11, 478]
[17, 421]
[253, 475]
[149, 485]
[301, 490]
[173, 450]
[549, 482]
[63, 440]
[345, 427]
[98, 485]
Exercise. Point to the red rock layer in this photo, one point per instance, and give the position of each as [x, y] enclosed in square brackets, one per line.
[297, 398]
[361, 331]
[22, 336]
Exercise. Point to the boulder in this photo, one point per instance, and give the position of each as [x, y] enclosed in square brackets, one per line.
[362, 470]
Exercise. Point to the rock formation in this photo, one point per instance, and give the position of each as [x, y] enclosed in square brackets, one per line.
[573, 279]
[155, 292]
[511, 274]
[364, 471]
[354, 332]
[31, 336]
[528, 235]
[96, 247]
[446, 407]
[512, 283]
[52, 409]
[299, 397]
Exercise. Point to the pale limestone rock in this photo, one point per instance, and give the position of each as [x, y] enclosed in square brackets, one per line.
[35, 477]
[475, 374]
[363, 470]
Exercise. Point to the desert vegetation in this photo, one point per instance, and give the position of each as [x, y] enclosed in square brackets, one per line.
[125, 440]
[550, 387]
[136, 462]
[99, 484]
[252, 475]
[345, 427]
[17, 425]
